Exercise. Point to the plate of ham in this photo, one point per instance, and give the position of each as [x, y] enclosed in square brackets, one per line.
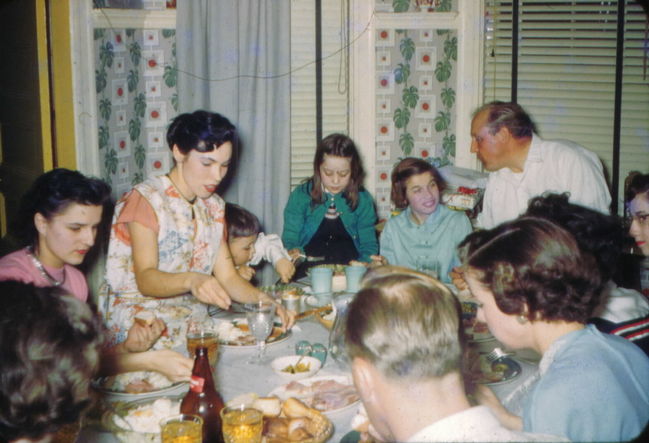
[135, 384]
[329, 394]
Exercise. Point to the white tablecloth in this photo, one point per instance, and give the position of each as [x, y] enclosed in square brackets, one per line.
[234, 376]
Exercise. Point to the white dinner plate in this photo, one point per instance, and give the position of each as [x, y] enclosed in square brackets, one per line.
[100, 385]
[275, 338]
[282, 393]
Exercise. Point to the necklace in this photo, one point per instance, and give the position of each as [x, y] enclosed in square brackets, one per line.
[41, 269]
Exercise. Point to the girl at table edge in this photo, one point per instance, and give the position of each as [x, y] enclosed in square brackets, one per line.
[637, 201]
[424, 221]
[168, 233]
[536, 289]
[59, 218]
[332, 200]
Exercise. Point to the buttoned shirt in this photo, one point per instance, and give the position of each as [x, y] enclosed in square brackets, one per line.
[551, 166]
[431, 245]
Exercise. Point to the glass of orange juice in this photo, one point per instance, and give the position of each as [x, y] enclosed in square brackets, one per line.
[182, 428]
[241, 424]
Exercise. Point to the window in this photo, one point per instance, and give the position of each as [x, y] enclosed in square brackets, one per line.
[566, 74]
[335, 90]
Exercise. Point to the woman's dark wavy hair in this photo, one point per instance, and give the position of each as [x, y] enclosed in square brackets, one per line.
[639, 185]
[534, 268]
[405, 169]
[49, 352]
[202, 131]
[596, 233]
[338, 145]
[240, 222]
[53, 192]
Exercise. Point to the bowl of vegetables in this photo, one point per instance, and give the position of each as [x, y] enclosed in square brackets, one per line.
[296, 367]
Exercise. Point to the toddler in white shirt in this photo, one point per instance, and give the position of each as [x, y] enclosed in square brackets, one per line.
[249, 246]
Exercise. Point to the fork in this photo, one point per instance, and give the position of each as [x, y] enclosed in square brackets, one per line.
[496, 354]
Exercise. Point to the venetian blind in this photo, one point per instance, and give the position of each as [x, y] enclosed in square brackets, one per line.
[566, 73]
[303, 80]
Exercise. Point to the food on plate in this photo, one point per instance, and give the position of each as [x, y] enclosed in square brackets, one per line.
[269, 406]
[323, 395]
[288, 420]
[275, 427]
[237, 333]
[297, 368]
[493, 372]
[145, 318]
[283, 290]
[146, 418]
[480, 370]
[297, 422]
[137, 382]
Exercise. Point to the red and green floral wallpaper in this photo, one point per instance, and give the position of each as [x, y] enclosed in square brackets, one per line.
[135, 77]
[416, 88]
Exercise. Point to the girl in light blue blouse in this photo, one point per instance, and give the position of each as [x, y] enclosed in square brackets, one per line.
[425, 235]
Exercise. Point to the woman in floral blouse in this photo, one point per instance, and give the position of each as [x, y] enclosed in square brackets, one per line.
[167, 252]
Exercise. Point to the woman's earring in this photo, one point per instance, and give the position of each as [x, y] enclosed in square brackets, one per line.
[521, 319]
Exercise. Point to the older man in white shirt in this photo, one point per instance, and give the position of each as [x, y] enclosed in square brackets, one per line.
[522, 165]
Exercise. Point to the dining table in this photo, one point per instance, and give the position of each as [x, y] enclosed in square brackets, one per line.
[234, 375]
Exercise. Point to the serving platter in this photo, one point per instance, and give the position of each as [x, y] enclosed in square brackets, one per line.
[341, 383]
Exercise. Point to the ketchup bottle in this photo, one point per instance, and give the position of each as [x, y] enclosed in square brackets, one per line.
[203, 399]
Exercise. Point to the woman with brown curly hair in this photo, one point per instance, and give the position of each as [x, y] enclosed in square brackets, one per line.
[536, 290]
[49, 351]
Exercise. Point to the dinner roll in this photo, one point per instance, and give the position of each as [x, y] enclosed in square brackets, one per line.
[269, 406]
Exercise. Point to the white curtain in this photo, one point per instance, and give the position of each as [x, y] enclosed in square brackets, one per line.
[233, 58]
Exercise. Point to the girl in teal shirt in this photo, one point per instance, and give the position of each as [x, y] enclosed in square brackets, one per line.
[331, 215]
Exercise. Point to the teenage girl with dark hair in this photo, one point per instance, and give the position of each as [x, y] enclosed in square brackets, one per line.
[331, 215]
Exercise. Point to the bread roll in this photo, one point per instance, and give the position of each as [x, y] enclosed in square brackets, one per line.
[269, 406]
[276, 427]
[297, 429]
[145, 318]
